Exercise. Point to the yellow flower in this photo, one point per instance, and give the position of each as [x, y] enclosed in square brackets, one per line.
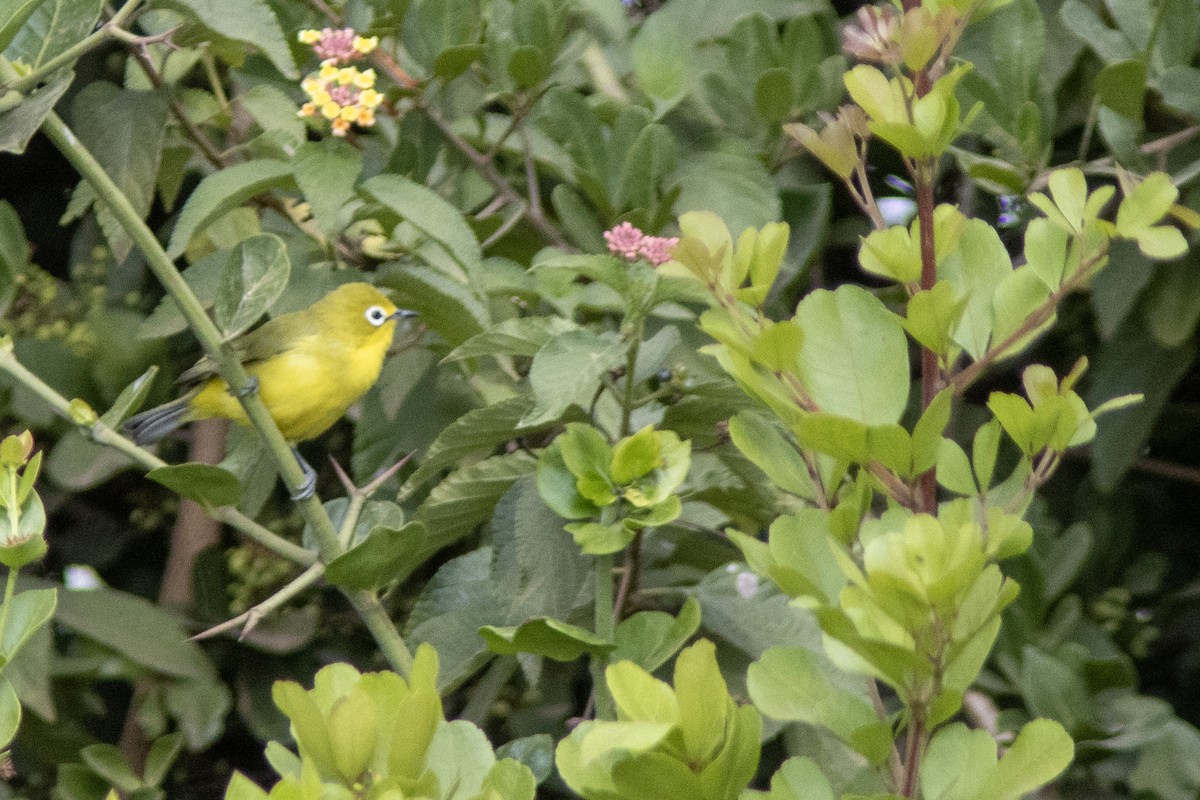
[307, 110]
[328, 69]
[309, 36]
[320, 96]
[331, 110]
[346, 75]
[340, 126]
[365, 80]
[364, 45]
[367, 118]
[369, 98]
[350, 113]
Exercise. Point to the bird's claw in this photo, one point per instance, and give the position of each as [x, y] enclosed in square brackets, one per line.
[309, 487]
[250, 388]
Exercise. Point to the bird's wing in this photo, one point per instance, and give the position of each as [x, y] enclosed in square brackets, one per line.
[269, 339]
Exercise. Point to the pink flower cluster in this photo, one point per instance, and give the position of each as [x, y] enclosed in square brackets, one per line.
[629, 243]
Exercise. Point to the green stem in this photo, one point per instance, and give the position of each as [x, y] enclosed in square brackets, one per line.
[605, 627]
[233, 373]
[103, 434]
[10, 588]
[228, 366]
[103, 34]
[390, 642]
[631, 358]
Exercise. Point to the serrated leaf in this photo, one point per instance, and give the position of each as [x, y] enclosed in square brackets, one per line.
[223, 191]
[18, 125]
[249, 21]
[447, 306]
[255, 275]
[522, 336]
[326, 173]
[124, 130]
[567, 370]
[52, 28]
[467, 498]
[430, 213]
[204, 483]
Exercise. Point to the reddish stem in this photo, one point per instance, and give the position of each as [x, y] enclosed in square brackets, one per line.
[929, 360]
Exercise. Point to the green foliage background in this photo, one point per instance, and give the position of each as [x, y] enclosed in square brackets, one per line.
[532, 127]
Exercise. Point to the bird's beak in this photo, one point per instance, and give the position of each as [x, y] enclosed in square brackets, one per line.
[402, 313]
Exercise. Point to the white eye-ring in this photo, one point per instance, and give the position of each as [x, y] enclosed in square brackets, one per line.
[376, 315]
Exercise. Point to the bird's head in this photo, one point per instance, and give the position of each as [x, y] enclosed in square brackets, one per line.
[359, 310]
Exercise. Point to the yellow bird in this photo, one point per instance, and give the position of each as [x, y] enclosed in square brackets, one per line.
[308, 367]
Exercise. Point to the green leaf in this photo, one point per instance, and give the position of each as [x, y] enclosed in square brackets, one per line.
[106, 760]
[527, 66]
[976, 268]
[650, 638]
[478, 431]
[800, 779]
[385, 555]
[427, 211]
[636, 456]
[769, 450]
[544, 636]
[204, 483]
[1131, 362]
[223, 191]
[10, 712]
[598, 539]
[449, 307]
[14, 253]
[163, 753]
[249, 21]
[853, 360]
[648, 160]
[1040, 753]
[457, 59]
[567, 370]
[28, 612]
[461, 756]
[326, 173]
[954, 469]
[242, 788]
[773, 94]
[18, 125]
[124, 130]
[1122, 87]
[253, 279]
[662, 56]
[130, 399]
[51, 29]
[135, 628]
[730, 181]
[13, 15]
[467, 497]
[1017, 297]
[1052, 689]
[522, 336]
[1171, 306]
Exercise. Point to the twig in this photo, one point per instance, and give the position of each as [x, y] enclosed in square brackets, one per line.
[249, 619]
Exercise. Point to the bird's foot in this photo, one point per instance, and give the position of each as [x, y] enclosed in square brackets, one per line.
[250, 388]
[309, 486]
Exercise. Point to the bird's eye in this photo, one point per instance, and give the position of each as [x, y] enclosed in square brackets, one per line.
[376, 316]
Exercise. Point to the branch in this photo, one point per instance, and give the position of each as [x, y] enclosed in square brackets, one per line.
[231, 371]
[101, 433]
[249, 619]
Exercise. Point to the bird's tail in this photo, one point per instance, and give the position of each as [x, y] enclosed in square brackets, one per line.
[150, 426]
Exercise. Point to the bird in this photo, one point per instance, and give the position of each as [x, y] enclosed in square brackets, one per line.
[308, 366]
